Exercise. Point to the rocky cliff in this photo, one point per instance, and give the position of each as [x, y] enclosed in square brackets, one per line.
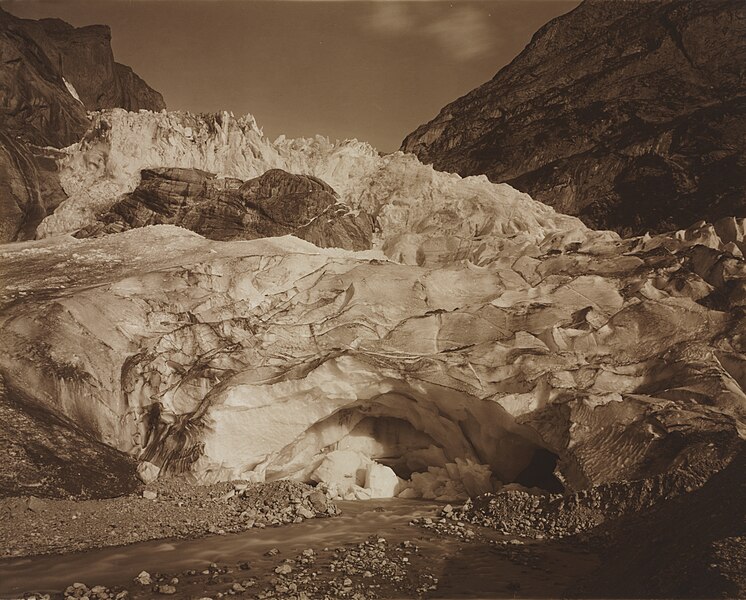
[627, 114]
[86, 62]
[51, 74]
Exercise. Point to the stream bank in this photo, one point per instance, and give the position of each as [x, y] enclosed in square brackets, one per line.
[373, 549]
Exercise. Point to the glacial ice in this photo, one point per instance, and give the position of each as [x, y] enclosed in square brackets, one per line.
[258, 360]
[423, 215]
[352, 475]
[483, 340]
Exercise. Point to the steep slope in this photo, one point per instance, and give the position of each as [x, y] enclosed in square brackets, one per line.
[29, 187]
[627, 114]
[50, 75]
[651, 555]
[48, 455]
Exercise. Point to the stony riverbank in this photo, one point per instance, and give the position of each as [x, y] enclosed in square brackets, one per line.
[162, 509]
[503, 545]
[370, 569]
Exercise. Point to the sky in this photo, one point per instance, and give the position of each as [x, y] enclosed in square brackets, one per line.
[344, 69]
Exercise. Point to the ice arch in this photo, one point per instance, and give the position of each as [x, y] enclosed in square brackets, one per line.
[270, 427]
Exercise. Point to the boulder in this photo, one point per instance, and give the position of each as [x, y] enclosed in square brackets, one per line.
[147, 472]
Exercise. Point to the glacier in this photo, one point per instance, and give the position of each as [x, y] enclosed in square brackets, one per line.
[482, 339]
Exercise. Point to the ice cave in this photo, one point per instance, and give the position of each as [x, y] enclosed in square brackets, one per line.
[399, 445]
[410, 440]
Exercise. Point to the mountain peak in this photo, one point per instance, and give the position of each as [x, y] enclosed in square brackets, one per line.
[54, 52]
[626, 114]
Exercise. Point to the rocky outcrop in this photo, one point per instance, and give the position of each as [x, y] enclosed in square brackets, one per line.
[629, 115]
[580, 359]
[276, 203]
[20, 201]
[50, 75]
[29, 188]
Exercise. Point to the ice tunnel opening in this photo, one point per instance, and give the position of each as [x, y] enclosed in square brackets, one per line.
[409, 446]
[540, 472]
[390, 441]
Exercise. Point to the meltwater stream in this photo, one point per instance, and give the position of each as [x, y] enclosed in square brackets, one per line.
[118, 565]
[472, 569]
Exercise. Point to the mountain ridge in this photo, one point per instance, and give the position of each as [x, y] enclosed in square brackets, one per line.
[40, 59]
[626, 114]
[51, 75]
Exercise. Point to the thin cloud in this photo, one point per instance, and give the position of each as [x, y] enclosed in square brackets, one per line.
[392, 18]
[460, 31]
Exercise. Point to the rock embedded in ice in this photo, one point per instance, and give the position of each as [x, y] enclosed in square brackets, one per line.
[274, 204]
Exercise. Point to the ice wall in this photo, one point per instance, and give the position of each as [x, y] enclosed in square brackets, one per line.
[421, 214]
[260, 359]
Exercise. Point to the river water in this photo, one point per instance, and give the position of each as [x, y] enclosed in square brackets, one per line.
[474, 569]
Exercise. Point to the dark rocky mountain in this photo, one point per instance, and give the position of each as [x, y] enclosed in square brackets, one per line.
[276, 203]
[38, 60]
[38, 57]
[627, 114]
[86, 60]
